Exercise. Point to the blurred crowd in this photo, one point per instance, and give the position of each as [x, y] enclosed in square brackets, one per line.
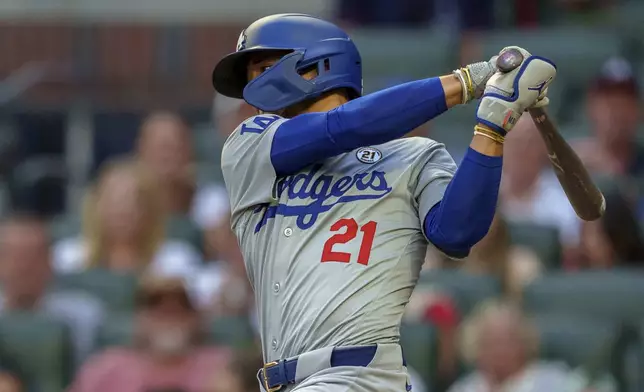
[127, 279]
[139, 285]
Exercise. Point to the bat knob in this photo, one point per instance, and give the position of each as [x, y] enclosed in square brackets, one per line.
[509, 60]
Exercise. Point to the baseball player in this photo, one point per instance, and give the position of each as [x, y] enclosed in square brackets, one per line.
[333, 210]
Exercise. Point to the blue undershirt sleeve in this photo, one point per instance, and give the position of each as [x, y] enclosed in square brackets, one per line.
[464, 215]
[370, 120]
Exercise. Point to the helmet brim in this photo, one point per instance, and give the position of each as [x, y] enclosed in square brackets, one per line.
[229, 77]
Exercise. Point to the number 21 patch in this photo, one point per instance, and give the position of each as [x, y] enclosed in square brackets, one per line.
[368, 155]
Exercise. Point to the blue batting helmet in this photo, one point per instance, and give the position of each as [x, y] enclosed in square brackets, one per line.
[310, 42]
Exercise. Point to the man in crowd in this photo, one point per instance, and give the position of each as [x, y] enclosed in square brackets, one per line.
[614, 113]
[26, 274]
[168, 352]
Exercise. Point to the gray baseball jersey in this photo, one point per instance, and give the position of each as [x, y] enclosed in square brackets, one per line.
[334, 251]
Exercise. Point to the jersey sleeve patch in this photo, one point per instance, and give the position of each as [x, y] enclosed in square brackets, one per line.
[258, 124]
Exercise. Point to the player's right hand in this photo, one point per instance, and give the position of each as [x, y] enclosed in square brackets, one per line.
[508, 95]
[473, 78]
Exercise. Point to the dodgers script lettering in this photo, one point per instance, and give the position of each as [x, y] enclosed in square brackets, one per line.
[320, 192]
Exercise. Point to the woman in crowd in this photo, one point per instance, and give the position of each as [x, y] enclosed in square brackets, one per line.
[514, 265]
[495, 255]
[123, 227]
[222, 284]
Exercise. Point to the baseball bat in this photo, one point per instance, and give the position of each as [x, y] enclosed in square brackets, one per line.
[584, 196]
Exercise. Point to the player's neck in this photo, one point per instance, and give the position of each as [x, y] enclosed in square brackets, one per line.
[324, 103]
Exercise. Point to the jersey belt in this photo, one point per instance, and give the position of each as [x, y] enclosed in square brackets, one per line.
[281, 373]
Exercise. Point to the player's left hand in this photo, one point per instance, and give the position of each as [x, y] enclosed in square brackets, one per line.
[474, 76]
[507, 95]
[542, 101]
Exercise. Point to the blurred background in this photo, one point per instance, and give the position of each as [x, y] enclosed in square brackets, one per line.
[118, 271]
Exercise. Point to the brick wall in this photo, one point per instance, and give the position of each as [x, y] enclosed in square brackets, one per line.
[117, 63]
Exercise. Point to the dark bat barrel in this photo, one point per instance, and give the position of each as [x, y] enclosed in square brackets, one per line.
[584, 196]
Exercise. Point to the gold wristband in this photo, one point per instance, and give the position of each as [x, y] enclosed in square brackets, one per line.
[481, 131]
[470, 84]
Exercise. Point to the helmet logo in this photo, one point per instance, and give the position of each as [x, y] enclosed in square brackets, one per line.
[241, 42]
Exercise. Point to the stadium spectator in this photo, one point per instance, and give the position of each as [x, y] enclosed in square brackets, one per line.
[614, 240]
[233, 295]
[211, 205]
[165, 147]
[614, 113]
[502, 345]
[529, 189]
[12, 379]
[222, 284]
[473, 17]
[495, 255]
[228, 113]
[124, 226]
[26, 274]
[210, 211]
[514, 265]
[10, 383]
[169, 353]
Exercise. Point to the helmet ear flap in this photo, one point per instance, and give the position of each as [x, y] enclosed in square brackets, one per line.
[279, 86]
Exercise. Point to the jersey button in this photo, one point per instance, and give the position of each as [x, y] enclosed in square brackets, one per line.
[274, 344]
[276, 287]
[288, 232]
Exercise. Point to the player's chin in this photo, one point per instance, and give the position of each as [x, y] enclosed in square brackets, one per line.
[280, 113]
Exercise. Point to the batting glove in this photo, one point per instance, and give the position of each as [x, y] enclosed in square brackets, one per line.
[508, 95]
[474, 76]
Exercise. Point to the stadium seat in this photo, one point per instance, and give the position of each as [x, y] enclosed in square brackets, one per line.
[231, 331]
[40, 347]
[182, 228]
[419, 344]
[404, 53]
[576, 340]
[108, 144]
[542, 240]
[628, 17]
[116, 290]
[567, 46]
[5, 198]
[235, 332]
[454, 128]
[209, 173]
[116, 330]
[38, 184]
[206, 143]
[609, 295]
[64, 226]
[198, 116]
[466, 289]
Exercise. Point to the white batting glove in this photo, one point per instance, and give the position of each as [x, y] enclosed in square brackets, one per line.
[508, 95]
[474, 76]
[543, 100]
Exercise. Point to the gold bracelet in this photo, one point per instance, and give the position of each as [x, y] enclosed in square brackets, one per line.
[470, 83]
[489, 134]
[488, 131]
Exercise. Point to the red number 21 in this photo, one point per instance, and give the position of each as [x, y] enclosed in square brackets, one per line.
[351, 231]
